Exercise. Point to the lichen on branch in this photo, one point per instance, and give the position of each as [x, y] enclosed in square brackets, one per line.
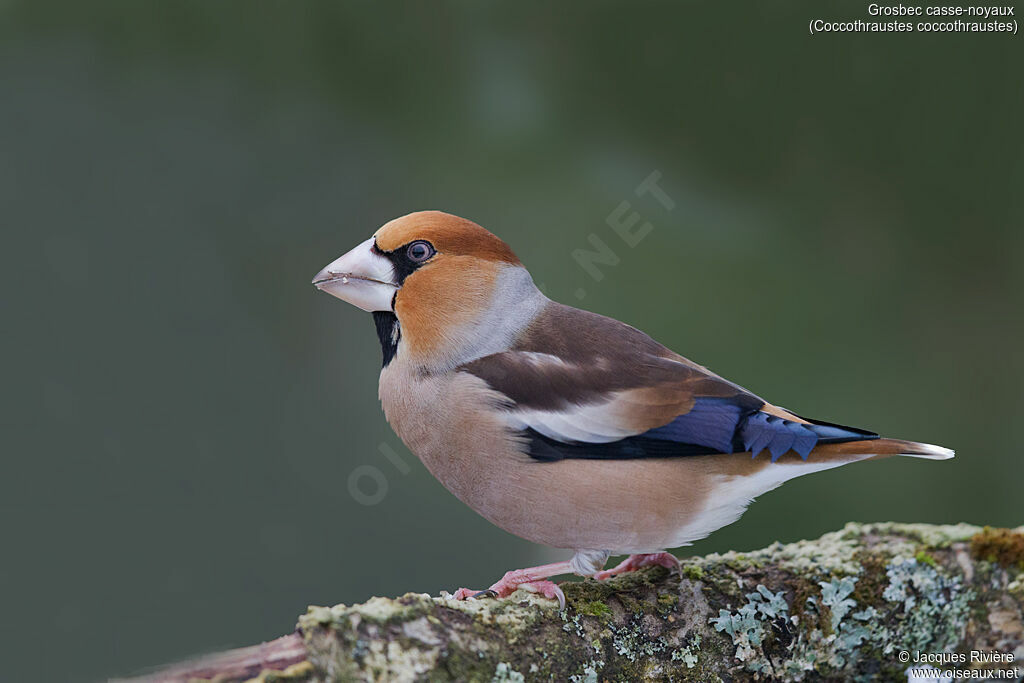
[841, 607]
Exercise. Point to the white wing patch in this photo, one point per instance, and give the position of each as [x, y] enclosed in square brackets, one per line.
[592, 423]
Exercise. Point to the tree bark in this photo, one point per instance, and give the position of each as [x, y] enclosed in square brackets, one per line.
[846, 606]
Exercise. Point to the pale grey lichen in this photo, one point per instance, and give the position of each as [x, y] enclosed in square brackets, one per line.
[934, 605]
[504, 673]
[834, 553]
[841, 644]
[688, 655]
[589, 674]
[844, 605]
[931, 535]
[630, 641]
[747, 625]
[931, 615]
[835, 596]
[573, 625]
[393, 659]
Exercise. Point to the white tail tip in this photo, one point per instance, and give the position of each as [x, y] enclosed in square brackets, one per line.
[930, 452]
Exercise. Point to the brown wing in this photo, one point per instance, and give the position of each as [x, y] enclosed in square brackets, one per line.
[574, 374]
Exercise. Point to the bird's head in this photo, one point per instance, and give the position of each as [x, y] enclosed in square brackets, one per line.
[455, 289]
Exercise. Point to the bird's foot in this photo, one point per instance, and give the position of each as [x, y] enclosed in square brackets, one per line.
[549, 589]
[532, 580]
[634, 562]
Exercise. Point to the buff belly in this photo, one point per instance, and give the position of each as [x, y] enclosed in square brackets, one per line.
[452, 422]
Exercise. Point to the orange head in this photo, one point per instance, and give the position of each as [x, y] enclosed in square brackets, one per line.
[447, 281]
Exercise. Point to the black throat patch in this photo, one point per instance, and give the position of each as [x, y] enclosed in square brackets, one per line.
[388, 333]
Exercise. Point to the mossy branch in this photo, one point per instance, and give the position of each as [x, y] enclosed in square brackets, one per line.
[842, 607]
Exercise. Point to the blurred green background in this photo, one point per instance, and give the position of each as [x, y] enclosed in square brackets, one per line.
[182, 410]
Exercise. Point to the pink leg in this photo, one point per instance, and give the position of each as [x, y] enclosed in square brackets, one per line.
[531, 579]
[634, 562]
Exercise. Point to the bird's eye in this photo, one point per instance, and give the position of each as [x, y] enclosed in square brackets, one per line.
[419, 251]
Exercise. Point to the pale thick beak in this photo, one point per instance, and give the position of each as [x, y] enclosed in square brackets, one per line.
[361, 277]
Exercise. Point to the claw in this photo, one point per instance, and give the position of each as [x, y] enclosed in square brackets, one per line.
[547, 589]
[464, 594]
[532, 579]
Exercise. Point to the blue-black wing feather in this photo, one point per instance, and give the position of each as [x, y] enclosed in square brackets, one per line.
[713, 426]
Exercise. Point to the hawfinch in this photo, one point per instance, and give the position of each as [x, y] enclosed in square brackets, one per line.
[561, 426]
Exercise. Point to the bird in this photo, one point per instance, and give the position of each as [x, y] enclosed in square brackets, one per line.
[564, 427]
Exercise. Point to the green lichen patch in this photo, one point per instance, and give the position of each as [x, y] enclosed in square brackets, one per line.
[645, 579]
[667, 602]
[1004, 547]
[630, 593]
[925, 558]
[596, 608]
[583, 592]
[693, 572]
[578, 593]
